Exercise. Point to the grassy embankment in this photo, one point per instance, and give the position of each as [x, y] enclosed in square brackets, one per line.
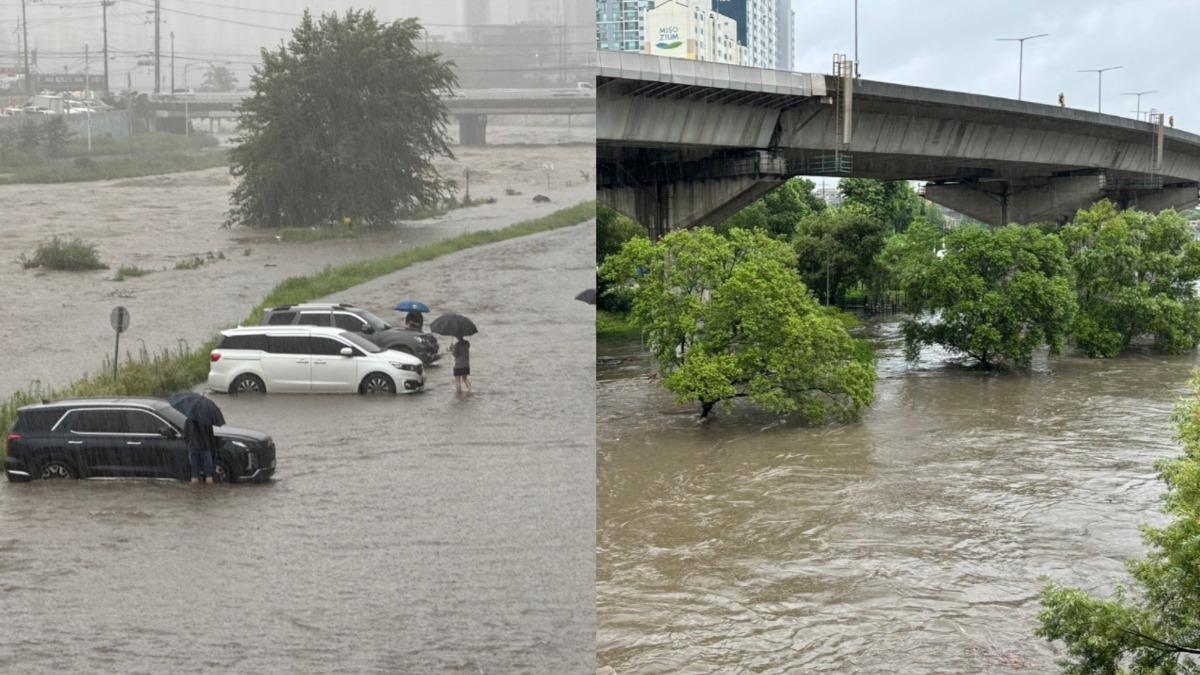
[614, 326]
[169, 371]
[141, 155]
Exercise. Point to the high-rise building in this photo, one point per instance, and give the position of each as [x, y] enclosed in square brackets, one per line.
[689, 29]
[758, 28]
[785, 41]
[620, 24]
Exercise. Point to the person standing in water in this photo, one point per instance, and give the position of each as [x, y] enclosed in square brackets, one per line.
[462, 364]
[200, 443]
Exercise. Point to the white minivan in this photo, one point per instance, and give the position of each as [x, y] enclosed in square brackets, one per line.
[309, 359]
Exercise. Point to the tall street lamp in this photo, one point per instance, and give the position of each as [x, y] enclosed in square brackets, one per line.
[1099, 82]
[1021, 56]
[1139, 95]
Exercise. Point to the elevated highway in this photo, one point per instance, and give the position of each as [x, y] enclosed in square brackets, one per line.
[684, 143]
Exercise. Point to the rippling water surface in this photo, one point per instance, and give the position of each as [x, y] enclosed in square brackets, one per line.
[910, 542]
[424, 533]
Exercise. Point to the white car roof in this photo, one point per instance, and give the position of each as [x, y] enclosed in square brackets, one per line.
[285, 330]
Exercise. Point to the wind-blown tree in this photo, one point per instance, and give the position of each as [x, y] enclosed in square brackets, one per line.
[836, 250]
[995, 295]
[218, 78]
[727, 317]
[344, 120]
[1154, 627]
[1135, 275]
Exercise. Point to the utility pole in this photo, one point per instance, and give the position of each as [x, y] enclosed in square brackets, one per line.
[172, 65]
[87, 94]
[157, 45]
[25, 46]
[104, 6]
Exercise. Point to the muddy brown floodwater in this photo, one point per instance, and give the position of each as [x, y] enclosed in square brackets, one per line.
[156, 222]
[911, 542]
[423, 533]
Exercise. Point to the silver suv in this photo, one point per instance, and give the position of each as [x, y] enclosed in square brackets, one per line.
[355, 319]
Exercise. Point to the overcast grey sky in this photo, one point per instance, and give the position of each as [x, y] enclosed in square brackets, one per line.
[950, 44]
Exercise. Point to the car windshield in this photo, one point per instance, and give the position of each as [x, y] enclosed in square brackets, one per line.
[361, 342]
[375, 322]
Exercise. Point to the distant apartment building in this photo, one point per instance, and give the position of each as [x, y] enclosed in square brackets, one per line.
[765, 27]
[688, 29]
[620, 24]
[785, 41]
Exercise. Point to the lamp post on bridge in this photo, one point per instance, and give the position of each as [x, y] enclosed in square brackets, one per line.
[1139, 95]
[1100, 82]
[1021, 57]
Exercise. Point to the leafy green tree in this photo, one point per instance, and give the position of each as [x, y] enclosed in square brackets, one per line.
[892, 202]
[55, 133]
[612, 231]
[836, 250]
[1155, 627]
[906, 255]
[344, 120]
[218, 78]
[29, 137]
[995, 295]
[727, 317]
[1135, 275]
[780, 211]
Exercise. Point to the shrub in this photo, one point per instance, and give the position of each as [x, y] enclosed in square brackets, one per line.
[194, 262]
[72, 254]
[129, 271]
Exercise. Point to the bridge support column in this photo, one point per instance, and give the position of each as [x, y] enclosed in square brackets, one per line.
[1052, 198]
[662, 207]
[472, 129]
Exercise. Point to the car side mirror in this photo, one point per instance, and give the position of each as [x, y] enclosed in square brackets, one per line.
[346, 351]
[367, 330]
[170, 433]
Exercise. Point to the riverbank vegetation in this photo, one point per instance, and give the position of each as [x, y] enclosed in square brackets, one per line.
[56, 253]
[168, 371]
[728, 317]
[1152, 626]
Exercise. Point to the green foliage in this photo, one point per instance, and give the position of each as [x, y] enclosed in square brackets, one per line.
[192, 263]
[907, 254]
[117, 168]
[55, 135]
[836, 250]
[362, 140]
[891, 202]
[1156, 628]
[727, 316]
[168, 372]
[612, 231]
[29, 137]
[995, 295]
[130, 271]
[72, 254]
[780, 211]
[611, 326]
[218, 78]
[1135, 276]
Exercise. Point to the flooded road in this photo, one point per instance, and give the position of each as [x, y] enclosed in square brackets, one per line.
[424, 533]
[911, 542]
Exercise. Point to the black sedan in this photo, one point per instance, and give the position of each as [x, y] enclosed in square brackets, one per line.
[124, 437]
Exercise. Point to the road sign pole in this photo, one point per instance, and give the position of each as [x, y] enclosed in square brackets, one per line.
[116, 355]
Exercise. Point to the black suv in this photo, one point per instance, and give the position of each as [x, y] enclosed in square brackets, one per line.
[348, 317]
[131, 437]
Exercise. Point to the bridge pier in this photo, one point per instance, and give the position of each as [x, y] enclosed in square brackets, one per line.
[472, 129]
[1025, 200]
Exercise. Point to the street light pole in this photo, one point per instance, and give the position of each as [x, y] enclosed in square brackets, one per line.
[1021, 57]
[856, 38]
[1139, 95]
[1100, 83]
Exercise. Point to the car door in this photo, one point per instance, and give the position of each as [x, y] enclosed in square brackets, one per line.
[332, 372]
[97, 434]
[287, 363]
[315, 318]
[154, 453]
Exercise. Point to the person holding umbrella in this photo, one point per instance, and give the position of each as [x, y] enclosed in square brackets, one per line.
[202, 415]
[459, 327]
[415, 318]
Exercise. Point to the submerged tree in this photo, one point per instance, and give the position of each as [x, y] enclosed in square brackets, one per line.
[727, 317]
[836, 250]
[218, 78]
[344, 121]
[995, 295]
[1154, 628]
[1135, 275]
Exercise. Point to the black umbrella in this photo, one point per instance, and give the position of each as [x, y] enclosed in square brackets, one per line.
[588, 296]
[197, 408]
[453, 324]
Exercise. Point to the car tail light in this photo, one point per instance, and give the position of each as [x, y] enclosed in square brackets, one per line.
[9, 440]
[215, 356]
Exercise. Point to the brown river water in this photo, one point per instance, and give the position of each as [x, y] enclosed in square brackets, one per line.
[910, 542]
[414, 534]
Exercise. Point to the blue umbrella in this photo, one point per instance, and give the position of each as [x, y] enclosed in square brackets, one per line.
[412, 306]
[197, 408]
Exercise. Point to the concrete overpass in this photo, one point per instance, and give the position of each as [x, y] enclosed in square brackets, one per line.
[470, 107]
[684, 143]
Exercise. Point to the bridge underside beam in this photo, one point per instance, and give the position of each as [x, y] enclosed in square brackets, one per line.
[472, 129]
[662, 207]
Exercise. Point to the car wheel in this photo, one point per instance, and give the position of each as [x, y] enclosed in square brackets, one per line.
[377, 383]
[222, 472]
[247, 384]
[56, 469]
